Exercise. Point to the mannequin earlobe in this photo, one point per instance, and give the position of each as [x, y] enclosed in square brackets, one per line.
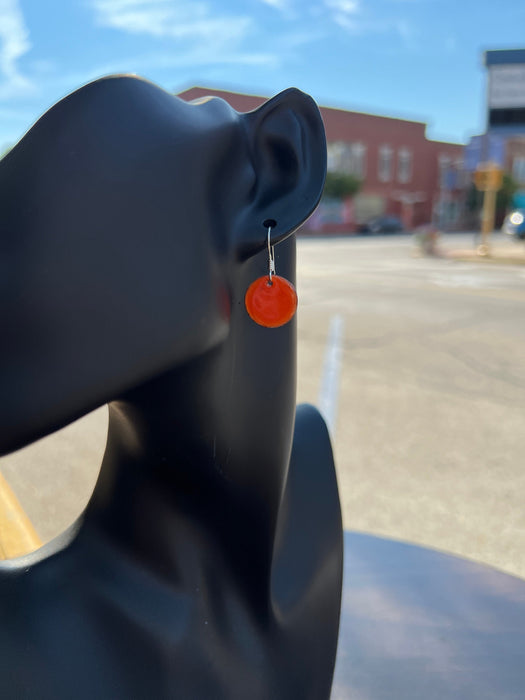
[288, 151]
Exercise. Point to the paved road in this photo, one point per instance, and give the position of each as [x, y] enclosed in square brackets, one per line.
[429, 437]
[424, 383]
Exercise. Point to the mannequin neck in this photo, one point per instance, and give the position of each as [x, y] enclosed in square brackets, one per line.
[196, 474]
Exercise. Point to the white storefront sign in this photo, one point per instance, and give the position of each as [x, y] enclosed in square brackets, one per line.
[506, 86]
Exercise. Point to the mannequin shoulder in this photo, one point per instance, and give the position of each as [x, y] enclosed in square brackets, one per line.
[311, 440]
[312, 481]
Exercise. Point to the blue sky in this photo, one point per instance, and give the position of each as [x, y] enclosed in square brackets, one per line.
[418, 59]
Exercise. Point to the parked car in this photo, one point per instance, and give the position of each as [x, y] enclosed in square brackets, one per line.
[382, 224]
[514, 224]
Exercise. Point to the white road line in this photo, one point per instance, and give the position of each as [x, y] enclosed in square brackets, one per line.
[329, 391]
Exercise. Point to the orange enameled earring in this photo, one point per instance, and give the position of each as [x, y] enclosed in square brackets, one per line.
[271, 301]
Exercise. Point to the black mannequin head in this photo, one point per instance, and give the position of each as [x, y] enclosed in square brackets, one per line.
[131, 223]
[208, 561]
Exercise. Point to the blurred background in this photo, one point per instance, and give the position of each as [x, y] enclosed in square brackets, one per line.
[410, 321]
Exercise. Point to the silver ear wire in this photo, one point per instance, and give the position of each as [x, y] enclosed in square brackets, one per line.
[271, 257]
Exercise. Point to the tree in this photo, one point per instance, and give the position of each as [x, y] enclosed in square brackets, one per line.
[341, 185]
[509, 187]
[474, 199]
[506, 193]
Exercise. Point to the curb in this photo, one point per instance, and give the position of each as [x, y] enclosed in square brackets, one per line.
[496, 257]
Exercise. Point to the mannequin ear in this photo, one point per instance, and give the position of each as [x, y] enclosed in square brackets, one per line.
[288, 150]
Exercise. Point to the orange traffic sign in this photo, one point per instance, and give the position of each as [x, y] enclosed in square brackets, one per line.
[488, 177]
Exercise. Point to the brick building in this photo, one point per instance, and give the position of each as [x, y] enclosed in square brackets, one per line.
[403, 173]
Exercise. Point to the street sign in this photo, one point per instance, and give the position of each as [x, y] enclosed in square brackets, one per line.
[488, 177]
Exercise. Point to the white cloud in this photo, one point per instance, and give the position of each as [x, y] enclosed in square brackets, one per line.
[345, 13]
[359, 21]
[203, 36]
[281, 5]
[170, 19]
[299, 38]
[347, 7]
[406, 32]
[14, 43]
[198, 56]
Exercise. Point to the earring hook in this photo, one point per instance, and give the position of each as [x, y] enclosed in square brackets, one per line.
[271, 301]
[271, 258]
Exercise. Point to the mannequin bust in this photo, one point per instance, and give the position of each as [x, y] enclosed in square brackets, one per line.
[208, 561]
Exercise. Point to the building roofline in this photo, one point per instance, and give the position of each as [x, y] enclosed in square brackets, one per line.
[446, 143]
[373, 114]
[321, 106]
[226, 91]
[504, 56]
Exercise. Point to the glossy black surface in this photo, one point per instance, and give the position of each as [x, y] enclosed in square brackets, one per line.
[208, 563]
[418, 624]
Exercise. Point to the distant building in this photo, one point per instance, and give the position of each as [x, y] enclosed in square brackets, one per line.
[506, 91]
[506, 106]
[404, 174]
[503, 143]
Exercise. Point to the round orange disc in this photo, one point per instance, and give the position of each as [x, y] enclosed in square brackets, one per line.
[271, 304]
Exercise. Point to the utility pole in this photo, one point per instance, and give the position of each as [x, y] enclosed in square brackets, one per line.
[488, 179]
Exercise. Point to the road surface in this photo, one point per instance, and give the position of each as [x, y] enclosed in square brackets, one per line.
[418, 364]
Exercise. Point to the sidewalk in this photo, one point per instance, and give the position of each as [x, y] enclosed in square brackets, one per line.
[503, 250]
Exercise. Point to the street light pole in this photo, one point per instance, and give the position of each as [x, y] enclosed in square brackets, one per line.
[487, 220]
[488, 179]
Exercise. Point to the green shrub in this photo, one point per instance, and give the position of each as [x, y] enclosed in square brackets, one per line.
[341, 185]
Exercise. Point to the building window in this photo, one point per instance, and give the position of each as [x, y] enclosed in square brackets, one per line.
[358, 166]
[462, 176]
[384, 164]
[336, 155]
[404, 165]
[349, 158]
[345, 160]
[445, 163]
[518, 168]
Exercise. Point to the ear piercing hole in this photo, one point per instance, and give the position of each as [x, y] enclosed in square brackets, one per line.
[269, 223]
